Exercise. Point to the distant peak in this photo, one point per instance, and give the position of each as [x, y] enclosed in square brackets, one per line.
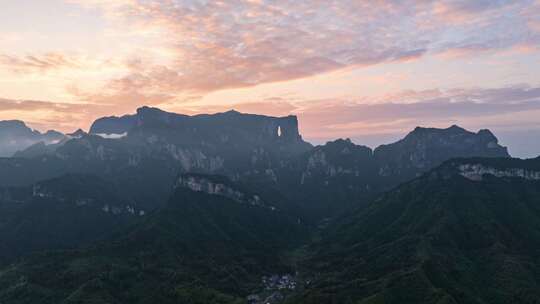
[344, 146]
[231, 112]
[341, 141]
[148, 109]
[455, 127]
[54, 133]
[452, 128]
[421, 130]
[15, 122]
[485, 132]
[78, 133]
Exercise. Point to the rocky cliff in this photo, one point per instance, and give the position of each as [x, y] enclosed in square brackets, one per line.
[330, 177]
[155, 146]
[476, 172]
[220, 186]
[220, 127]
[425, 148]
[144, 152]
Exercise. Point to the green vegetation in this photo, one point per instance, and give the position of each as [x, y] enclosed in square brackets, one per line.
[438, 239]
[225, 209]
[198, 248]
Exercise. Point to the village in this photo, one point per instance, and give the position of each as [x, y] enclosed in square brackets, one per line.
[276, 288]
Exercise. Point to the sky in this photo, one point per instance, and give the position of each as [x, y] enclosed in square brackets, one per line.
[366, 70]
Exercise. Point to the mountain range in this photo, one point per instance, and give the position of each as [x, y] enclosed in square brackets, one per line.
[16, 136]
[238, 208]
[142, 153]
[467, 231]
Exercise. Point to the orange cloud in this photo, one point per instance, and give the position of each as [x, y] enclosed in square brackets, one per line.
[44, 115]
[222, 45]
[329, 119]
[44, 62]
[272, 106]
[171, 50]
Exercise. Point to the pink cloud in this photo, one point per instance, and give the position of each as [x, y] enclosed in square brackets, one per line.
[328, 119]
[42, 62]
[271, 106]
[221, 45]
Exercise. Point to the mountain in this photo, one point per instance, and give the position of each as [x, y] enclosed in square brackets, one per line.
[144, 160]
[333, 177]
[228, 128]
[211, 243]
[15, 136]
[77, 134]
[60, 213]
[143, 152]
[235, 208]
[231, 127]
[425, 148]
[465, 232]
[329, 178]
[42, 148]
[113, 124]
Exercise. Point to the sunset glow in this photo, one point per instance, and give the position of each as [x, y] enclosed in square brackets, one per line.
[369, 70]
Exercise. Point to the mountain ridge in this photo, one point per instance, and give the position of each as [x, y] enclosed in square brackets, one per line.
[15, 135]
[232, 207]
[257, 149]
[440, 238]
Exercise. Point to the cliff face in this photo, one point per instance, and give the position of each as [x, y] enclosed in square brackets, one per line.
[113, 124]
[421, 150]
[229, 143]
[481, 169]
[220, 127]
[156, 145]
[476, 172]
[341, 172]
[425, 148]
[218, 186]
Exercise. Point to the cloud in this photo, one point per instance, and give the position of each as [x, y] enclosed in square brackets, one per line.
[42, 62]
[176, 49]
[174, 54]
[431, 108]
[216, 45]
[401, 112]
[463, 11]
[34, 105]
[192, 48]
[506, 110]
[52, 115]
[270, 106]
